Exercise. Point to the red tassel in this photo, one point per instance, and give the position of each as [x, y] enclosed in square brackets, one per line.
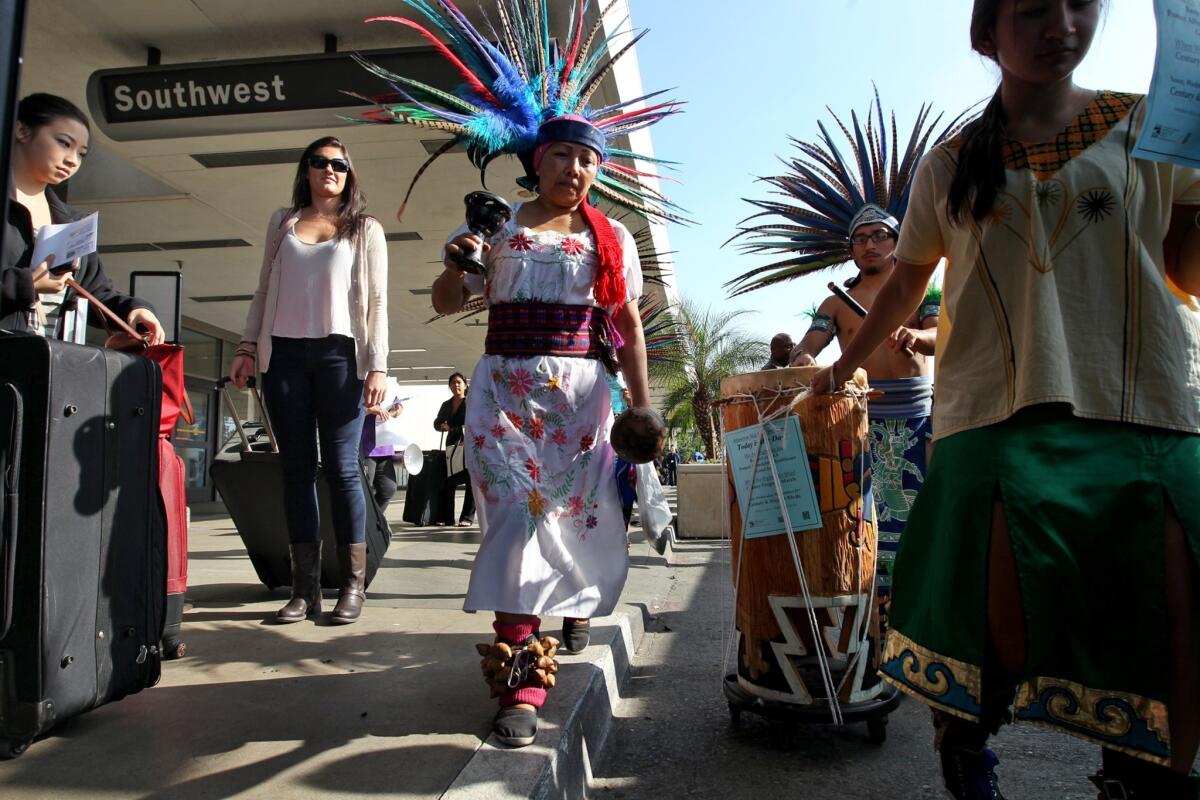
[609, 286]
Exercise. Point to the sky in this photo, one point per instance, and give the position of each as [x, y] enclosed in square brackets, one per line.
[755, 72]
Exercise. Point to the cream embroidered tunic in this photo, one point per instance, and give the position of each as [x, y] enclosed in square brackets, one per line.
[1060, 294]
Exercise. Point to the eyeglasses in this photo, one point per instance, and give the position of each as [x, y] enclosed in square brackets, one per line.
[878, 237]
[320, 162]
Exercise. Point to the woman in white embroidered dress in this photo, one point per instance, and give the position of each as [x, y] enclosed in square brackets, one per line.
[538, 422]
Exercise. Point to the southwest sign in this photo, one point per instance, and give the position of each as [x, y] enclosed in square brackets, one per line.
[267, 94]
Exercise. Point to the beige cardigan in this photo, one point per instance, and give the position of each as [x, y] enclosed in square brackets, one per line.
[368, 295]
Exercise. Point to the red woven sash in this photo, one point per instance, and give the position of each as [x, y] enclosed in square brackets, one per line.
[549, 329]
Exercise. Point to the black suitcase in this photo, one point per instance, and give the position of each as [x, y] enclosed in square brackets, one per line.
[426, 500]
[83, 554]
[249, 477]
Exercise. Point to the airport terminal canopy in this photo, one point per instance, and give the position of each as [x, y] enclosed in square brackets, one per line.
[201, 110]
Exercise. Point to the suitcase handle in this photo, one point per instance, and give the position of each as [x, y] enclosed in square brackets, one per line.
[10, 473]
[252, 385]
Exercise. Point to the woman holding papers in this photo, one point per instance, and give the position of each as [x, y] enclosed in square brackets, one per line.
[49, 145]
[451, 418]
[1048, 570]
[317, 329]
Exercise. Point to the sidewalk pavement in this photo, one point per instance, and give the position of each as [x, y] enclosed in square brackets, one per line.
[391, 706]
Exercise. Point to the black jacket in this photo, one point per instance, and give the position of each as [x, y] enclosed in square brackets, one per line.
[16, 278]
[457, 421]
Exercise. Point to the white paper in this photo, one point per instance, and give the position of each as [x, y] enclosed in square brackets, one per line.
[1171, 131]
[394, 431]
[66, 242]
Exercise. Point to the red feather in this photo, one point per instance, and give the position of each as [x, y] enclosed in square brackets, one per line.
[604, 123]
[573, 50]
[472, 81]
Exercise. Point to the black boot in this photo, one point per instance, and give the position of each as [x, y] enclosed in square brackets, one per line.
[306, 584]
[970, 774]
[968, 767]
[1124, 777]
[353, 559]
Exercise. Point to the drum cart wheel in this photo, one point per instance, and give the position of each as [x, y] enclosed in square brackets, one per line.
[873, 712]
[877, 729]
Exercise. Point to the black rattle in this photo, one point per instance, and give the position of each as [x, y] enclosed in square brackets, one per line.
[486, 214]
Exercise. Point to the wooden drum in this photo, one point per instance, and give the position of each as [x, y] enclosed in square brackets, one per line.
[778, 648]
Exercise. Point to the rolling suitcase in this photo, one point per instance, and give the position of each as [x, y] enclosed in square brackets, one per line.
[82, 543]
[249, 477]
[426, 500]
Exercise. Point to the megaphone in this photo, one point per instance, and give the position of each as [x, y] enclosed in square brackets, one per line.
[414, 459]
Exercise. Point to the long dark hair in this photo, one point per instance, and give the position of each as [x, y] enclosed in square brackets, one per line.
[39, 109]
[979, 174]
[352, 208]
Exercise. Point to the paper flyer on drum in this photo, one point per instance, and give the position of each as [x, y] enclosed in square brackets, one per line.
[754, 480]
[1171, 130]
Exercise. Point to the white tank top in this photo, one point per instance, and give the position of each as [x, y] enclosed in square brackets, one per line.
[314, 288]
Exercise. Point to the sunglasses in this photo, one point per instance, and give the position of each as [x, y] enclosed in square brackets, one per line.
[878, 237]
[321, 162]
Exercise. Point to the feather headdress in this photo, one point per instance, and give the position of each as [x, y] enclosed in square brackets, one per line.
[824, 192]
[663, 331]
[517, 77]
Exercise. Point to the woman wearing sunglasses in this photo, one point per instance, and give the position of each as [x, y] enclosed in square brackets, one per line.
[317, 330]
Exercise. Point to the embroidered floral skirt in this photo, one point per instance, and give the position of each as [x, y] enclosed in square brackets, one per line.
[1085, 503]
[542, 472]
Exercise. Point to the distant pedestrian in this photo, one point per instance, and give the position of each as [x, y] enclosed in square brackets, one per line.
[670, 465]
[379, 463]
[781, 351]
[451, 417]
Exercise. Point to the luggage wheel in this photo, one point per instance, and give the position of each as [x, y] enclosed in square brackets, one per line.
[11, 749]
[173, 648]
[877, 729]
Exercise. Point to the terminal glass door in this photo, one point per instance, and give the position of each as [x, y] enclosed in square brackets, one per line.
[194, 442]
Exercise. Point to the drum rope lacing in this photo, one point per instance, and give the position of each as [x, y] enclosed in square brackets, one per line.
[860, 395]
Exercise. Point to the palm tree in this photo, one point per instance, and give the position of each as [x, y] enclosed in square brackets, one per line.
[712, 348]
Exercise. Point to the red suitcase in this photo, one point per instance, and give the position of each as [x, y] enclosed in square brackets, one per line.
[173, 492]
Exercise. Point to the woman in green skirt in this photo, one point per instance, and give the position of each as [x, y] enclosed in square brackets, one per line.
[1048, 571]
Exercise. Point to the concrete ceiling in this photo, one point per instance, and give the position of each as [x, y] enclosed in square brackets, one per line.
[156, 191]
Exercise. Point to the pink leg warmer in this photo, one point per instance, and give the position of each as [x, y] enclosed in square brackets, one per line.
[515, 634]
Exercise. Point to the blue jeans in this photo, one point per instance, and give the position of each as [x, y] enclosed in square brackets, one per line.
[312, 386]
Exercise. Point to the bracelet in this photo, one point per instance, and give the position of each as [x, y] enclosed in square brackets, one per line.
[242, 351]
